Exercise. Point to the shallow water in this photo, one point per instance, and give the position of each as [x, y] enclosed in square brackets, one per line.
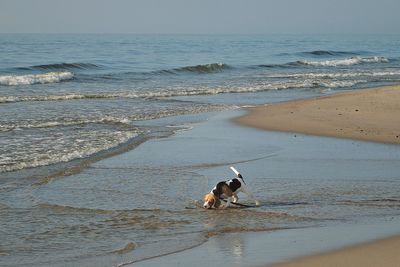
[142, 203]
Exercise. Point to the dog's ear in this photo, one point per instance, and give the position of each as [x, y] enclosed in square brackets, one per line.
[210, 198]
[217, 203]
[206, 197]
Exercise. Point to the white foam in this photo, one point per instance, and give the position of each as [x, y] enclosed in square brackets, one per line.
[334, 75]
[345, 62]
[9, 99]
[50, 77]
[338, 84]
[23, 153]
[62, 123]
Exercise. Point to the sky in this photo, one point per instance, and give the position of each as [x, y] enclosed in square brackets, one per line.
[200, 16]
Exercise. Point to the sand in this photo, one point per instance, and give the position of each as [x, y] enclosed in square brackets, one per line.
[379, 253]
[369, 114]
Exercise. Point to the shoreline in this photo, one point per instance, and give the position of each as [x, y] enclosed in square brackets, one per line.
[366, 114]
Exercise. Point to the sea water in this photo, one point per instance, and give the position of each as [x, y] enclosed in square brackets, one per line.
[69, 96]
[68, 101]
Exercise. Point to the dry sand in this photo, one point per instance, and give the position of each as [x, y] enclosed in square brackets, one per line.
[369, 114]
[379, 253]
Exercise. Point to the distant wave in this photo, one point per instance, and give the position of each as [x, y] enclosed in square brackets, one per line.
[283, 66]
[199, 69]
[61, 66]
[327, 63]
[207, 68]
[330, 53]
[344, 62]
[50, 77]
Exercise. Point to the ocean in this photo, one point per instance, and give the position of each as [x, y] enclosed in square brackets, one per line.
[69, 96]
[69, 101]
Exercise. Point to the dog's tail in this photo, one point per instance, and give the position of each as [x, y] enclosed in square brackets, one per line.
[236, 172]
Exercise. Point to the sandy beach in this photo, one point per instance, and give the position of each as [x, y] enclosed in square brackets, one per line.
[370, 114]
[378, 253]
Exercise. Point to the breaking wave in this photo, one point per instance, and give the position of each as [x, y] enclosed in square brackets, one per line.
[344, 62]
[327, 63]
[336, 75]
[50, 77]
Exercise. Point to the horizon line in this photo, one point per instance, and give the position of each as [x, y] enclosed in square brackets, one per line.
[212, 33]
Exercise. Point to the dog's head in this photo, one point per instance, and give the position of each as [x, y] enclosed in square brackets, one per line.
[211, 201]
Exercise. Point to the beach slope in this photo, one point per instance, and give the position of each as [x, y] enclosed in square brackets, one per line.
[369, 114]
[379, 253]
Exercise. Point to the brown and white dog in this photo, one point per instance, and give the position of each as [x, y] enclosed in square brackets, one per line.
[227, 190]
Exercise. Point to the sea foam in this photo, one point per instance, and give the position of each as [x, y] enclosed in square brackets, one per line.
[49, 77]
[344, 62]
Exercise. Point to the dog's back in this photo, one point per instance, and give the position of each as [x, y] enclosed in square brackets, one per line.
[234, 184]
[227, 187]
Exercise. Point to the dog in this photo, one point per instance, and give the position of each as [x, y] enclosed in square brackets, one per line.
[227, 190]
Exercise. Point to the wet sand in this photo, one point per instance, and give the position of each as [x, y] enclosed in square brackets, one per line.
[378, 253]
[370, 115]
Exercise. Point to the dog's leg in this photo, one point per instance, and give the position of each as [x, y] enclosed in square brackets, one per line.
[250, 195]
[227, 193]
[228, 202]
[235, 198]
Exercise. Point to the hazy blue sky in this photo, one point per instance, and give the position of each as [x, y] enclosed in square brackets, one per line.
[200, 16]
